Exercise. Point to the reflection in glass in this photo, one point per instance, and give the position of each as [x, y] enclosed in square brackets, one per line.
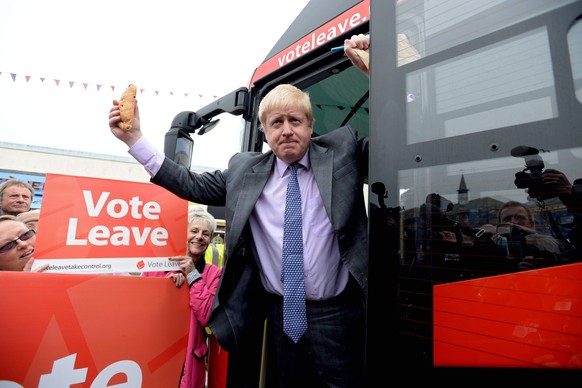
[451, 214]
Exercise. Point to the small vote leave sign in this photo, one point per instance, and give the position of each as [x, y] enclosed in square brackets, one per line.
[92, 225]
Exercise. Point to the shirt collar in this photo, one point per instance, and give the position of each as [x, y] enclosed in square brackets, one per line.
[281, 166]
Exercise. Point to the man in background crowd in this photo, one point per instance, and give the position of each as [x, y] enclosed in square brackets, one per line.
[15, 197]
[533, 249]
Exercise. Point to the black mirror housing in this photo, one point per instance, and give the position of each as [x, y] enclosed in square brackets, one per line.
[178, 146]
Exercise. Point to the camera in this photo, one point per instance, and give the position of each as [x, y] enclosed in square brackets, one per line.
[532, 180]
[515, 237]
[519, 247]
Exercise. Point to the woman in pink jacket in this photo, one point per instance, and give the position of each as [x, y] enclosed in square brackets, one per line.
[203, 281]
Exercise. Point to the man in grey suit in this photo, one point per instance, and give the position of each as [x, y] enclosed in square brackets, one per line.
[331, 174]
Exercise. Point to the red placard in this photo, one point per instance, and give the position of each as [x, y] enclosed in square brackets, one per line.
[90, 225]
[62, 330]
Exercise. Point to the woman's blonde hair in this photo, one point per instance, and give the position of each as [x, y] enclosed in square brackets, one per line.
[7, 217]
[199, 213]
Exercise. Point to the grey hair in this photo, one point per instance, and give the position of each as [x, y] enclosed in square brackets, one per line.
[201, 214]
[8, 217]
[16, 182]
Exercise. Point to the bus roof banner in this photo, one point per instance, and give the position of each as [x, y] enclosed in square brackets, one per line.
[62, 330]
[93, 225]
[347, 21]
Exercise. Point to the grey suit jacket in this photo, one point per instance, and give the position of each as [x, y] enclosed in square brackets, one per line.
[340, 164]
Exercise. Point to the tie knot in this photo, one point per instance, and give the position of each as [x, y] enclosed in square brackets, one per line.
[294, 167]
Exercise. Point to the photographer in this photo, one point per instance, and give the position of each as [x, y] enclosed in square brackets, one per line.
[554, 183]
[550, 185]
[517, 235]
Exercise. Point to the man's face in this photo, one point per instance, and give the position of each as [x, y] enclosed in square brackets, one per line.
[199, 236]
[288, 133]
[15, 258]
[515, 215]
[15, 200]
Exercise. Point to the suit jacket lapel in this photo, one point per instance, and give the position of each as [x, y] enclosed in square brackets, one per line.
[252, 186]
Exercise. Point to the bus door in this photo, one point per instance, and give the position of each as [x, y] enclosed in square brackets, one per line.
[475, 187]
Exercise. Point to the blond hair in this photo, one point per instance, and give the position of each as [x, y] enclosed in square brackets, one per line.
[29, 216]
[199, 213]
[285, 96]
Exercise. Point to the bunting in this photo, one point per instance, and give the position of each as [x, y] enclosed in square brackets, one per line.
[88, 86]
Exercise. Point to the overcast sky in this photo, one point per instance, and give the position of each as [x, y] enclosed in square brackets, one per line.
[62, 62]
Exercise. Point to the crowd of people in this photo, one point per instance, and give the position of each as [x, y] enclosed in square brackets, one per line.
[17, 226]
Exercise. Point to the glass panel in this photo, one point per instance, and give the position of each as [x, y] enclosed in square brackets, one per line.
[452, 220]
[436, 25]
[341, 99]
[575, 47]
[501, 85]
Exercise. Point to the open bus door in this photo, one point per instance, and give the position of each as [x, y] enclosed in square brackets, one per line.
[464, 99]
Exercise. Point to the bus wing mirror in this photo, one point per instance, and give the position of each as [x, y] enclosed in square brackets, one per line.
[178, 146]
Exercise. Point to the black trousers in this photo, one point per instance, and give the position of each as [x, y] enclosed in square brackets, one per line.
[331, 352]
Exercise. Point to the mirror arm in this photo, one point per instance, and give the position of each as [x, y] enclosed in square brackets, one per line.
[235, 103]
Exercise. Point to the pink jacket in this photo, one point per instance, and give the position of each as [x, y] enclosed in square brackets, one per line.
[201, 294]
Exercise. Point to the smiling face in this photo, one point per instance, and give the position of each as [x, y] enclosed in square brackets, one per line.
[199, 235]
[15, 258]
[287, 120]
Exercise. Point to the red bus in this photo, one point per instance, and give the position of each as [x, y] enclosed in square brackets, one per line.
[469, 105]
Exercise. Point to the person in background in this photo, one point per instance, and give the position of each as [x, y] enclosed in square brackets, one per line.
[17, 245]
[516, 233]
[331, 177]
[215, 253]
[203, 279]
[30, 218]
[555, 182]
[15, 196]
[518, 214]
